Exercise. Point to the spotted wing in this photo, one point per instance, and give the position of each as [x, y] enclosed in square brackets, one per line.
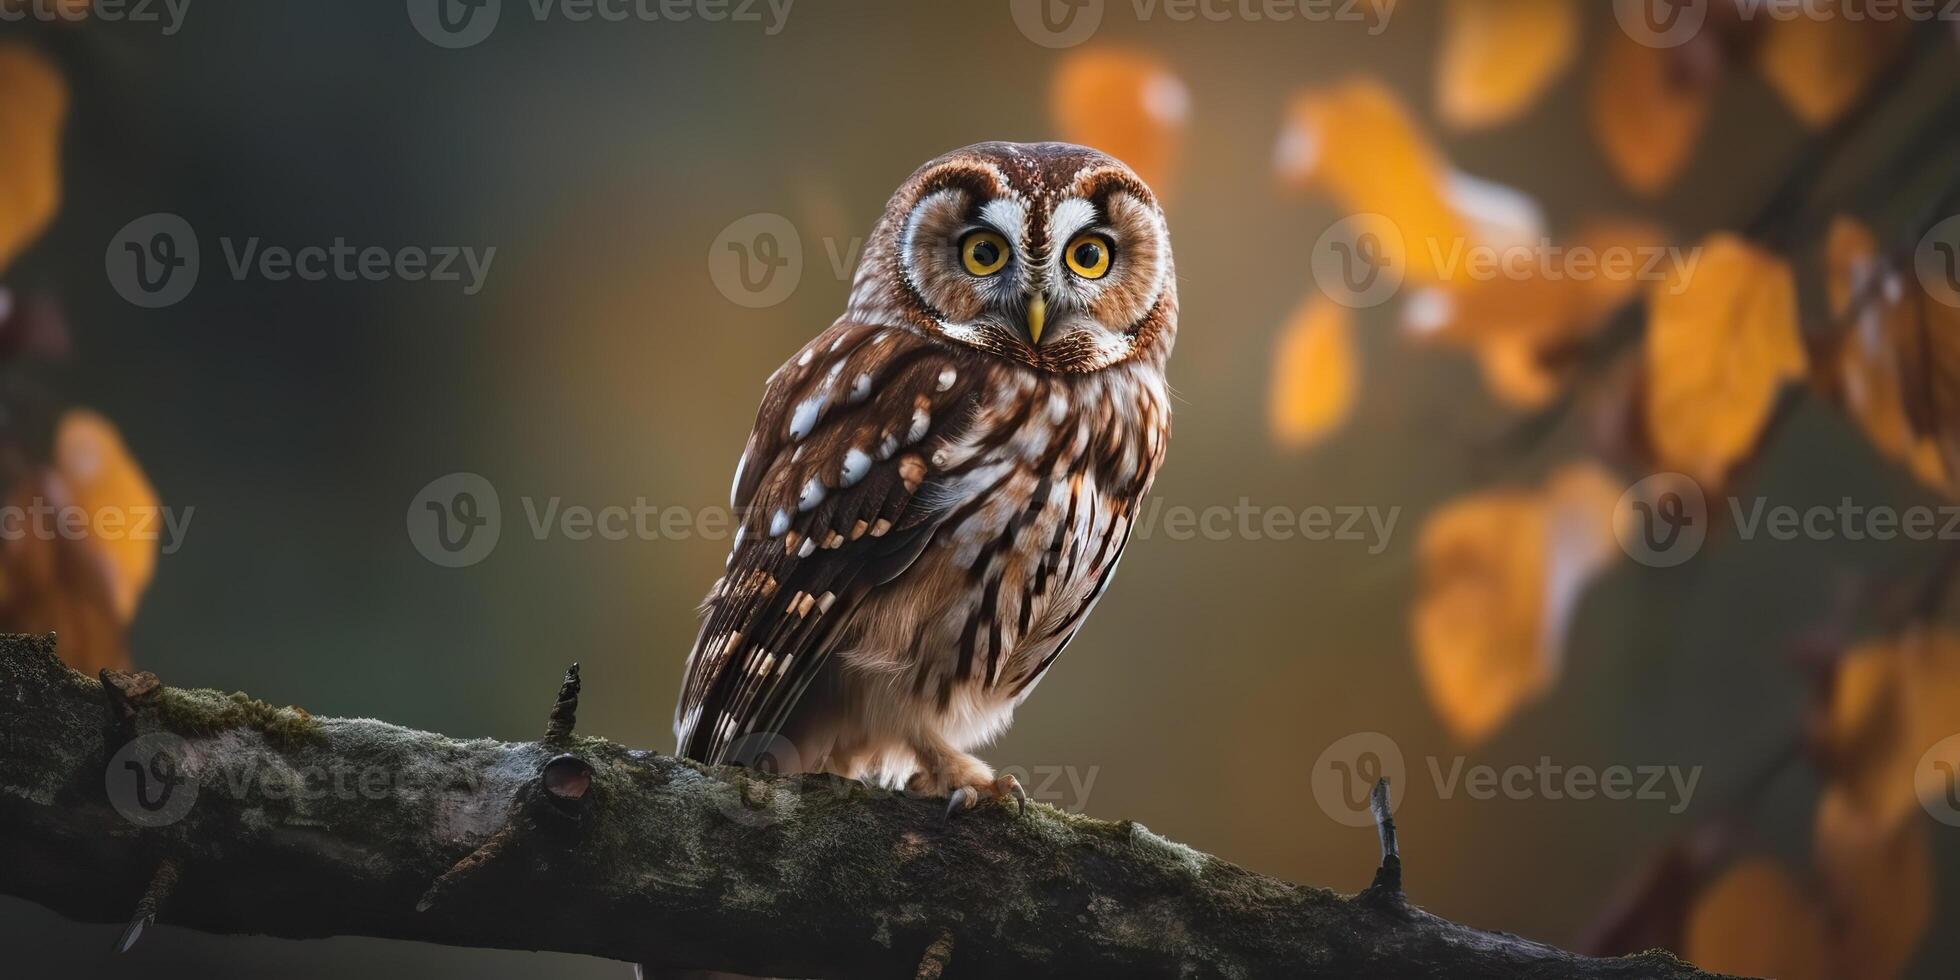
[832, 496]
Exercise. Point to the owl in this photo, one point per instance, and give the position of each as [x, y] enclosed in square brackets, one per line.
[938, 486]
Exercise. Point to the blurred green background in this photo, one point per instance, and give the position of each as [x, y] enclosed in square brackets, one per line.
[601, 365]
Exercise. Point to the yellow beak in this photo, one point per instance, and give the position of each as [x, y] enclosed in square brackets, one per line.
[1037, 316]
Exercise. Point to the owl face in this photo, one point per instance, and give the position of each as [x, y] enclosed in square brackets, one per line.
[1046, 253]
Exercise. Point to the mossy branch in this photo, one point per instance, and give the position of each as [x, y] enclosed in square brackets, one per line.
[125, 801]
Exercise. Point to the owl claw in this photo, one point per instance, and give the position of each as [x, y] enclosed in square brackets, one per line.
[961, 799]
[1012, 787]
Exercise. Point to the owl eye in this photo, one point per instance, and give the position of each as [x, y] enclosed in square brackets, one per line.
[983, 252]
[1088, 256]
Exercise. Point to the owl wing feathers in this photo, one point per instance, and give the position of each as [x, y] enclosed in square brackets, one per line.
[835, 498]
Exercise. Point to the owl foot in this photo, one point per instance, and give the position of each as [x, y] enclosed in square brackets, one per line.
[968, 796]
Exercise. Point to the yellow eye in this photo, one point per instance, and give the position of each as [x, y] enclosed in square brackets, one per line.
[1088, 256]
[983, 253]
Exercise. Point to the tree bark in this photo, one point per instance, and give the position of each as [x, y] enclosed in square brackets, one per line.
[125, 801]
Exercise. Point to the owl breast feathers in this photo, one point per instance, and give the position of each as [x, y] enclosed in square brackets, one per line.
[938, 487]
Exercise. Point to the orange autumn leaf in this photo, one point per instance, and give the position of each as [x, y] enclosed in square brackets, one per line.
[54, 583]
[1878, 882]
[36, 100]
[1502, 571]
[107, 484]
[1646, 113]
[1316, 373]
[1756, 921]
[1820, 60]
[1511, 321]
[1722, 340]
[1499, 56]
[1125, 103]
[1863, 739]
[1929, 681]
[1356, 143]
[1515, 374]
[1880, 349]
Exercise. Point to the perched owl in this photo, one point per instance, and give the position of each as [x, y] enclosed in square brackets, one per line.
[939, 486]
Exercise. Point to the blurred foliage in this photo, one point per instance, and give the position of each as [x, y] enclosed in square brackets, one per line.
[1688, 372]
[81, 579]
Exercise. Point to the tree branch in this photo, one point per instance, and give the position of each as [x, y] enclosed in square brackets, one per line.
[126, 801]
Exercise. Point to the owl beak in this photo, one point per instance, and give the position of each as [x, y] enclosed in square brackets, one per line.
[1037, 316]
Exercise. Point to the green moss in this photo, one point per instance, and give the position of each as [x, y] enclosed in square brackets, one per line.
[203, 712]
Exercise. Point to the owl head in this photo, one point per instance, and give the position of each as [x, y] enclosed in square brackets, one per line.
[1051, 254]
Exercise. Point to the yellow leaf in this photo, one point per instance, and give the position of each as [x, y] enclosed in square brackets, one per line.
[1756, 921]
[55, 583]
[1502, 572]
[1879, 885]
[1929, 681]
[1356, 143]
[1646, 113]
[1820, 60]
[1881, 353]
[107, 484]
[1721, 342]
[1514, 373]
[1125, 103]
[1316, 373]
[34, 103]
[1499, 56]
[1863, 740]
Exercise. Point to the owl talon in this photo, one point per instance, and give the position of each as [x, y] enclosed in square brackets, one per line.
[962, 799]
[1012, 787]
